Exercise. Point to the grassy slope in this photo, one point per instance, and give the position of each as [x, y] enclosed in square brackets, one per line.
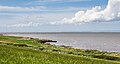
[17, 55]
[10, 54]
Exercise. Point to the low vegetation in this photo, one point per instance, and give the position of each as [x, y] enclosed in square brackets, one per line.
[25, 50]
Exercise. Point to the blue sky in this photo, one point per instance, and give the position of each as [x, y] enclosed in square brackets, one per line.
[58, 16]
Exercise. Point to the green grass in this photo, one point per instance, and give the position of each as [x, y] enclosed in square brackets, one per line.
[17, 50]
[18, 55]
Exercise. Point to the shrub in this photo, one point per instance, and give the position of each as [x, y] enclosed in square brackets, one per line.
[106, 57]
[55, 50]
[21, 45]
[70, 52]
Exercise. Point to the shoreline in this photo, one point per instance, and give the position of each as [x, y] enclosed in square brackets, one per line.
[59, 44]
[38, 45]
[47, 41]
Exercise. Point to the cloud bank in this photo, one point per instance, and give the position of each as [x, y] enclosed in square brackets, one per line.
[16, 8]
[30, 24]
[97, 14]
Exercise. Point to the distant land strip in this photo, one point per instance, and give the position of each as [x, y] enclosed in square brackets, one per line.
[59, 32]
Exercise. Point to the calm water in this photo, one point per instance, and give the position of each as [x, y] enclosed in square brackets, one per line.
[97, 41]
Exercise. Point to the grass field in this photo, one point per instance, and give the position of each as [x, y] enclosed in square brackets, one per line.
[19, 50]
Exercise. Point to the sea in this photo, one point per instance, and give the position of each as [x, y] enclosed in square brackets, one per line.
[103, 41]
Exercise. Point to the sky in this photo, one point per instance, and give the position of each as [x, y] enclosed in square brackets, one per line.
[59, 16]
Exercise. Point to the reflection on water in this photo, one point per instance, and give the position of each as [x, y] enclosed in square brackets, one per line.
[99, 41]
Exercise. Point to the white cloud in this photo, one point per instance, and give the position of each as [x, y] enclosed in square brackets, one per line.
[38, 8]
[32, 20]
[16, 8]
[96, 14]
[30, 24]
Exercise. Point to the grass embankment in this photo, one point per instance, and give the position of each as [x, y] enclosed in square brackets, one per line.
[20, 50]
